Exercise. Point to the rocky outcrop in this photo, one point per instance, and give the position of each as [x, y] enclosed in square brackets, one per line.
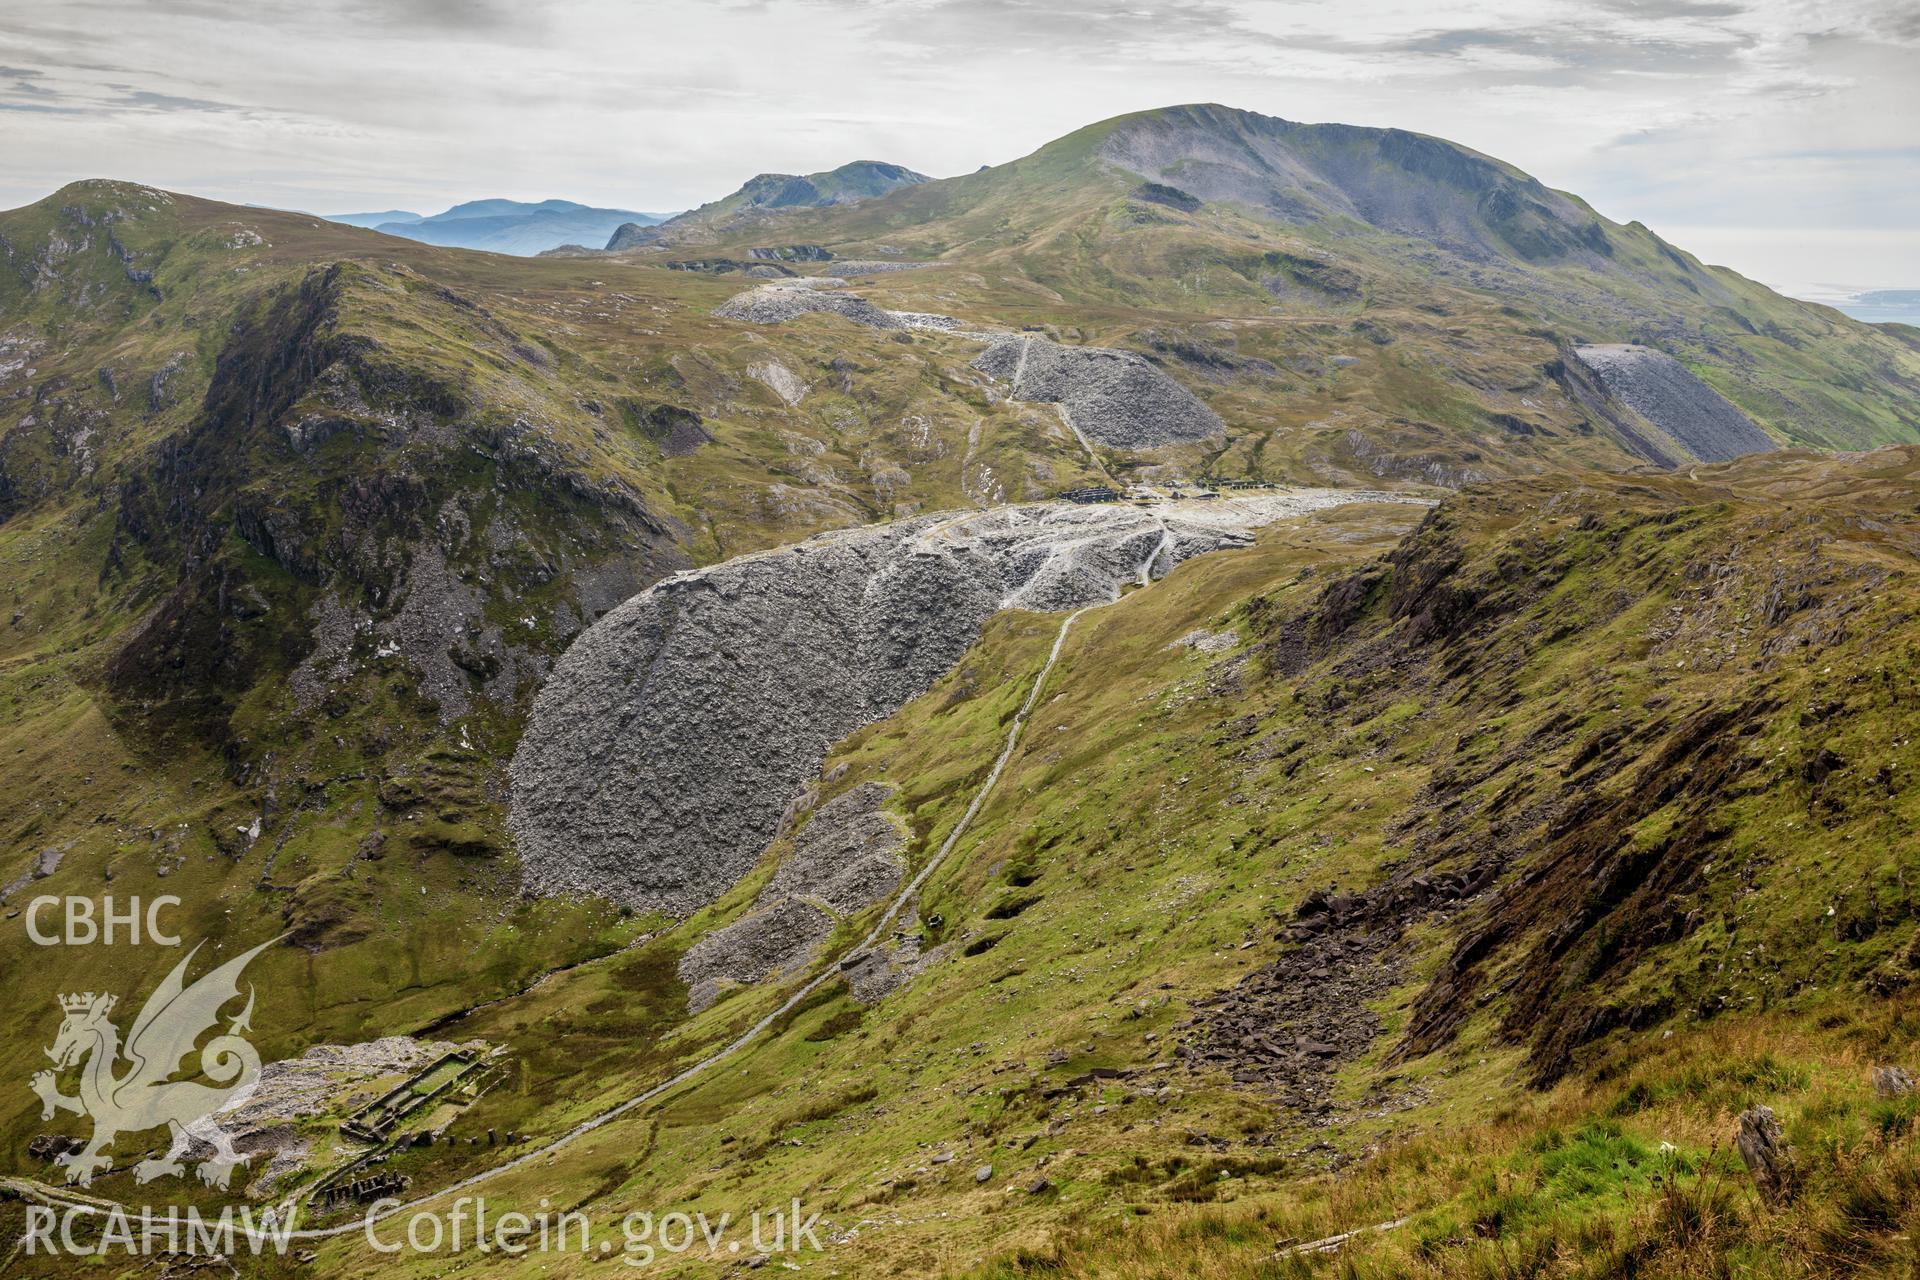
[878, 972]
[667, 744]
[778, 379]
[722, 266]
[1665, 393]
[1115, 398]
[1406, 183]
[846, 856]
[327, 1078]
[787, 300]
[1171, 197]
[370, 482]
[876, 267]
[771, 943]
[631, 235]
[791, 253]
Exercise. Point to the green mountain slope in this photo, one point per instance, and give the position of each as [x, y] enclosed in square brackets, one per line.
[767, 193]
[1294, 242]
[294, 517]
[1437, 868]
[519, 227]
[1314, 857]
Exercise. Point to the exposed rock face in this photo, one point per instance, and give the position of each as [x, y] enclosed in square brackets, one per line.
[1892, 1082]
[1663, 391]
[790, 299]
[1402, 182]
[326, 1078]
[791, 253]
[631, 235]
[1171, 197]
[665, 747]
[876, 267]
[772, 942]
[779, 379]
[1117, 398]
[846, 856]
[874, 975]
[678, 431]
[1763, 1148]
[44, 864]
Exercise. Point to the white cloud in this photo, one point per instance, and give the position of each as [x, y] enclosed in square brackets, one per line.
[1676, 112]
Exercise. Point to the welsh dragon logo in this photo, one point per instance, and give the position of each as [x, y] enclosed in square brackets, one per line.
[129, 1088]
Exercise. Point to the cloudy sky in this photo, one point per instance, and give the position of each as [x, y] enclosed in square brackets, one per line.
[1781, 137]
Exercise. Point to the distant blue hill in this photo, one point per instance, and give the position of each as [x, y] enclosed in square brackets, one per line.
[514, 227]
[374, 219]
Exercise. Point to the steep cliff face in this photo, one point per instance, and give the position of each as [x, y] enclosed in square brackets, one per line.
[673, 734]
[334, 511]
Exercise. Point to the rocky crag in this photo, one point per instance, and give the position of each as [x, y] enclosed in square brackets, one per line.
[666, 747]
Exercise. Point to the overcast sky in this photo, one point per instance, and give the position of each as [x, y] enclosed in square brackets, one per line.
[1781, 137]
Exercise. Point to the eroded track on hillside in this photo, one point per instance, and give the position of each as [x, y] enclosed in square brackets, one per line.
[827, 971]
[829, 967]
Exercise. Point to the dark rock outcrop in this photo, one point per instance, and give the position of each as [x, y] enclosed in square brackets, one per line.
[1172, 197]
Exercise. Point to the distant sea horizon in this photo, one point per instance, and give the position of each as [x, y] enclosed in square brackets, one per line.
[1875, 306]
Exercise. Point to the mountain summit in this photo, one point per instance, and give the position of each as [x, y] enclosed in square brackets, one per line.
[1406, 183]
[848, 184]
[1449, 264]
[1218, 652]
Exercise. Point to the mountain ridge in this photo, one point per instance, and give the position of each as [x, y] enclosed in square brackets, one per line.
[519, 227]
[1466, 869]
[1082, 224]
[767, 192]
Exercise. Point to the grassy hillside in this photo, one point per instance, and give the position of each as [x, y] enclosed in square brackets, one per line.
[1412, 257]
[1470, 870]
[294, 517]
[1477, 880]
[768, 193]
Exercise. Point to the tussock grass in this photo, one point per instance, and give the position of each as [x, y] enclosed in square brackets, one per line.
[1630, 1177]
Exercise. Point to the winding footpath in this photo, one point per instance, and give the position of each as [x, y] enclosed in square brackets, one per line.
[85, 1205]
